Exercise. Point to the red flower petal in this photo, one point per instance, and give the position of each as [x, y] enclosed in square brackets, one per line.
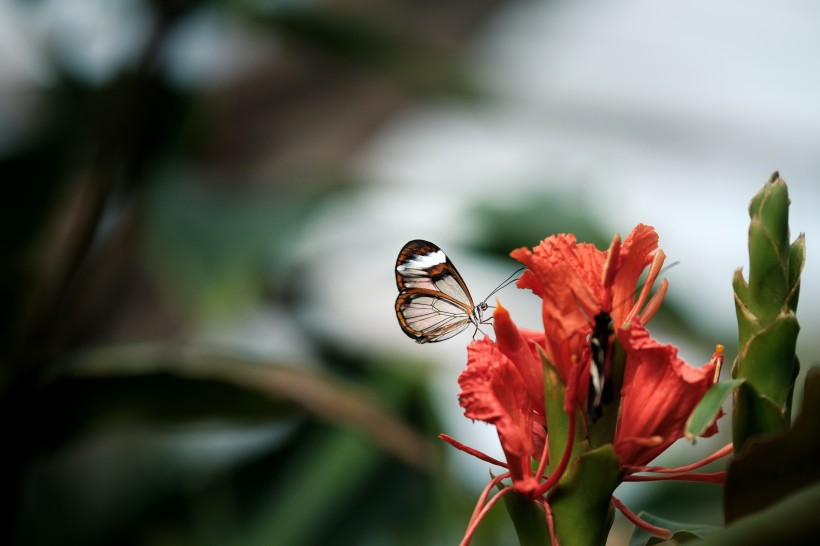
[493, 391]
[635, 254]
[659, 393]
[566, 276]
[519, 351]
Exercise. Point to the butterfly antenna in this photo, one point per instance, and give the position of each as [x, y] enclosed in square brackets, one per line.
[508, 281]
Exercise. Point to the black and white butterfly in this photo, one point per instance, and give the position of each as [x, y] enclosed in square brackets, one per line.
[600, 344]
[434, 303]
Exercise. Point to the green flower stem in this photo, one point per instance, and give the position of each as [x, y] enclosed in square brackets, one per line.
[580, 502]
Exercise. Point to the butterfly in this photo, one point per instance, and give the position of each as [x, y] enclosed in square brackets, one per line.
[434, 303]
[600, 344]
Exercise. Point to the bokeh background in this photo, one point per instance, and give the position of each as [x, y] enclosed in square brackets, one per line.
[202, 205]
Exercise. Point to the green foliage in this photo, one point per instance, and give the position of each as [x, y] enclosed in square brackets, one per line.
[558, 422]
[708, 408]
[529, 520]
[581, 501]
[793, 520]
[767, 323]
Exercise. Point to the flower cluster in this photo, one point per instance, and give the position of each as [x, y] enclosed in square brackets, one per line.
[595, 338]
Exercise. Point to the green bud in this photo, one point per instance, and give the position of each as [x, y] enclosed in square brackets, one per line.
[767, 324]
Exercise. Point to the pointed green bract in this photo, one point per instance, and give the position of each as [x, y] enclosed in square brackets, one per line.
[580, 502]
[529, 520]
[557, 418]
[767, 324]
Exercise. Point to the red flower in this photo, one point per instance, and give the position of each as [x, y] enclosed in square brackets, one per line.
[660, 391]
[503, 382]
[503, 386]
[576, 282]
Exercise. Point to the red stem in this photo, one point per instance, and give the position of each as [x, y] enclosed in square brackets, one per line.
[562, 466]
[474, 452]
[484, 494]
[716, 477]
[471, 529]
[722, 452]
[631, 516]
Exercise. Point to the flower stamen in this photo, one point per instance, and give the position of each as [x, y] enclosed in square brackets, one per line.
[717, 356]
[545, 457]
[652, 441]
[654, 303]
[651, 277]
[609, 270]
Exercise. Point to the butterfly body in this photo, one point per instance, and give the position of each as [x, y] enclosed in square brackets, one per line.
[600, 344]
[434, 303]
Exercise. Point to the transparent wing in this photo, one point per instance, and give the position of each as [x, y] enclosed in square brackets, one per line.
[428, 315]
[421, 264]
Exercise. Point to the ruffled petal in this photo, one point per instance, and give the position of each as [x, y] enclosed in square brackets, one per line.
[493, 391]
[515, 347]
[659, 393]
[566, 276]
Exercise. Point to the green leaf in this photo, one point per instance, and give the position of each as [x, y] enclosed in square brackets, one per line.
[681, 532]
[529, 520]
[326, 398]
[707, 409]
[753, 414]
[771, 468]
[581, 502]
[769, 249]
[747, 323]
[767, 359]
[797, 258]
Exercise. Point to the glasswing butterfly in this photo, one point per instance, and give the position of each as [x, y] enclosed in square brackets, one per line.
[434, 303]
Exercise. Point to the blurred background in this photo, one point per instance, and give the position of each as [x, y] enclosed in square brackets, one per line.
[203, 203]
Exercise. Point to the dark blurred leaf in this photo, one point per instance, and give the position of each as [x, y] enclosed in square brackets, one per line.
[72, 406]
[324, 397]
[213, 249]
[393, 52]
[771, 468]
[681, 532]
[503, 228]
[792, 520]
